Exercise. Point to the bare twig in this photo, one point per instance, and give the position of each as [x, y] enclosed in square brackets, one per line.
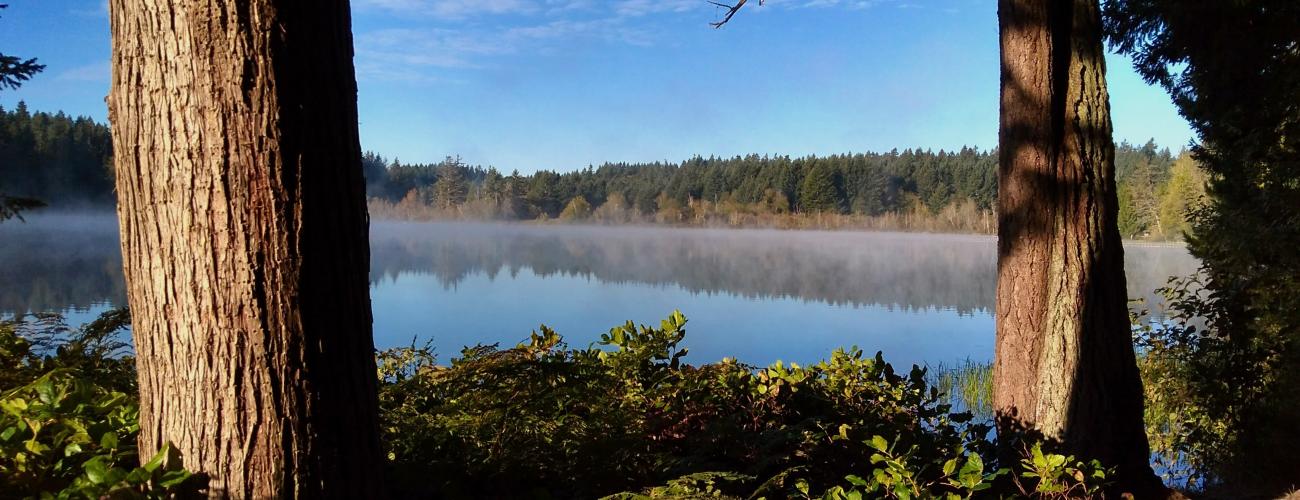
[731, 11]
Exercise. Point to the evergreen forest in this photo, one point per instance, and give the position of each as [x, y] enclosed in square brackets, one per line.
[65, 162]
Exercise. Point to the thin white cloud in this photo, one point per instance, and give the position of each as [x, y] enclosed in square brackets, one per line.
[807, 4]
[538, 26]
[454, 9]
[636, 8]
[560, 7]
[100, 10]
[413, 54]
[612, 30]
[94, 72]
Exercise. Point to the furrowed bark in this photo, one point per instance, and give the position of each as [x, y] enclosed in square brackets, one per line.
[244, 240]
[1065, 369]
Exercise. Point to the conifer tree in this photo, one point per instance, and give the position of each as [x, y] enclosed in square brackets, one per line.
[819, 192]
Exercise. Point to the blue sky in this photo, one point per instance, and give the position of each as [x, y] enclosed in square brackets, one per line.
[560, 84]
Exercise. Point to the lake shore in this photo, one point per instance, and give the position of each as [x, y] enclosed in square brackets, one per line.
[797, 223]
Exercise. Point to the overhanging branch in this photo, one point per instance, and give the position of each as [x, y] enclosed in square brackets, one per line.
[731, 10]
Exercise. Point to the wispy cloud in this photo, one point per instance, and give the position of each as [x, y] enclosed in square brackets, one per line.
[466, 35]
[814, 4]
[455, 9]
[634, 8]
[100, 10]
[94, 72]
[428, 55]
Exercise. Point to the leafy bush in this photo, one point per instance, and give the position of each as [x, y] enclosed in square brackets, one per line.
[32, 347]
[1220, 389]
[69, 416]
[542, 419]
[71, 438]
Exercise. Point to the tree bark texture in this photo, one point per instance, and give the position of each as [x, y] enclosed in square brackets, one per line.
[1065, 369]
[244, 240]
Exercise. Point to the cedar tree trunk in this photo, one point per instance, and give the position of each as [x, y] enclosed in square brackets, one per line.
[1065, 369]
[244, 240]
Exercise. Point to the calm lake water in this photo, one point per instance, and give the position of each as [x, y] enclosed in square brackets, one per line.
[758, 295]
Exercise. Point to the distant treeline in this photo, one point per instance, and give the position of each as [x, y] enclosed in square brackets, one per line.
[66, 162]
[908, 190]
[63, 161]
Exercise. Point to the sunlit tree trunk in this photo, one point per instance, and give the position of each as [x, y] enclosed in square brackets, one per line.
[1065, 368]
[244, 240]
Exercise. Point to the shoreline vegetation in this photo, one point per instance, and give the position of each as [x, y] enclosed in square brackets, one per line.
[956, 218]
[627, 418]
[383, 211]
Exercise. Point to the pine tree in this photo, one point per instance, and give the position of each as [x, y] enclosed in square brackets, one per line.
[13, 72]
[450, 190]
[819, 192]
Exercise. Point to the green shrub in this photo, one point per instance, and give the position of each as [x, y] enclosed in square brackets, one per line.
[32, 346]
[66, 437]
[544, 419]
[1222, 397]
[69, 417]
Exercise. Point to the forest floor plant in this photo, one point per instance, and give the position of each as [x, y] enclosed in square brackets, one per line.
[625, 418]
[69, 415]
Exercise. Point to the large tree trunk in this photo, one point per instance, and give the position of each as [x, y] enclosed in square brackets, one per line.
[244, 240]
[1065, 368]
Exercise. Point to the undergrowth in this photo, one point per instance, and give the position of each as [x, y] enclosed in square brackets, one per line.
[626, 418]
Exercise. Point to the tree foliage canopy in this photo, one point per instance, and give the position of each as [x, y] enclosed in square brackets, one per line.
[15, 70]
[1233, 70]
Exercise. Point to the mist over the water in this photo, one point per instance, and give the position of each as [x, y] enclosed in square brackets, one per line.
[62, 262]
[765, 294]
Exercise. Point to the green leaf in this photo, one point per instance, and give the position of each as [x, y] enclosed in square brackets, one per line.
[45, 390]
[879, 443]
[973, 472]
[108, 441]
[949, 467]
[174, 478]
[802, 486]
[96, 470]
[1037, 453]
[35, 446]
[137, 476]
[158, 458]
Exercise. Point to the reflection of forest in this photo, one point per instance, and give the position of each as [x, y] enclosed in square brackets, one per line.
[888, 269]
[53, 263]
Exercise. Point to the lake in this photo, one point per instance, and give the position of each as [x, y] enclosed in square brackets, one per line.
[758, 295]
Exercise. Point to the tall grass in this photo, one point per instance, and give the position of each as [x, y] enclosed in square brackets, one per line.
[968, 385]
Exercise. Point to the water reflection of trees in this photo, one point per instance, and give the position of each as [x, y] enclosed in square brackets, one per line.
[58, 263]
[54, 263]
[894, 270]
